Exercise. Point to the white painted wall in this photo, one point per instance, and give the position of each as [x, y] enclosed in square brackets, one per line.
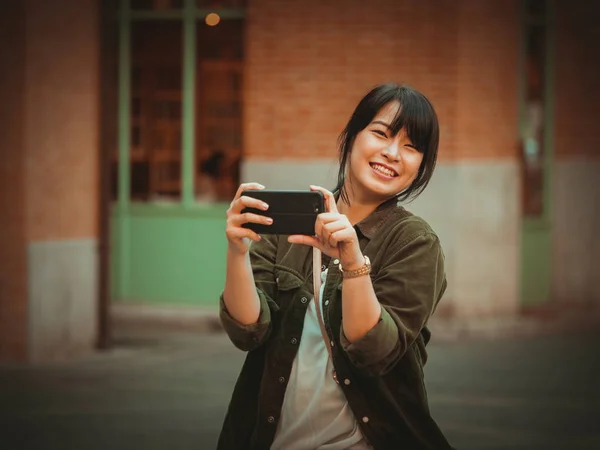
[63, 299]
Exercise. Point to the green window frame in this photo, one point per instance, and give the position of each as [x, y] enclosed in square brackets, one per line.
[188, 14]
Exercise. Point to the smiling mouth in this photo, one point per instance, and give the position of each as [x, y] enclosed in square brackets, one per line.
[383, 170]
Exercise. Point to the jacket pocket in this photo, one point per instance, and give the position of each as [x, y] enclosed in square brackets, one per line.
[286, 279]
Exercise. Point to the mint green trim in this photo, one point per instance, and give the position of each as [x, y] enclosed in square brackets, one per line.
[197, 14]
[549, 103]
[174, 260]
[188, 104]
[124, 186]
[122, 251]
[175, 210]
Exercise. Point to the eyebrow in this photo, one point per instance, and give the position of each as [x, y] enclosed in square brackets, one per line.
[381, 122]
[385, 124]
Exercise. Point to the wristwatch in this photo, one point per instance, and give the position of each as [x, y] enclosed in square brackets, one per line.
[365, 269]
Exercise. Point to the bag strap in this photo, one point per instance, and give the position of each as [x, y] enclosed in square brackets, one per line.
[317, 294]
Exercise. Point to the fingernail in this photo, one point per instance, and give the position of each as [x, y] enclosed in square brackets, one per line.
[269, 220]
[264, 206]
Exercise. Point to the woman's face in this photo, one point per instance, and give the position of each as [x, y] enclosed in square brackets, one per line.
[381, 165]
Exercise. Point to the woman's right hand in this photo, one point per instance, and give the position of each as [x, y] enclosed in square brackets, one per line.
[238, 236]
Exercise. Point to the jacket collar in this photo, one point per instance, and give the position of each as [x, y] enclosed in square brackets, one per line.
[369, 226]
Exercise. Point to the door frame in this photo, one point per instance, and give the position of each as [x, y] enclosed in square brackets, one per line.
[536, 232]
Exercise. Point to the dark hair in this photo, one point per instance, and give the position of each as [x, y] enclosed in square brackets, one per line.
[416, 115]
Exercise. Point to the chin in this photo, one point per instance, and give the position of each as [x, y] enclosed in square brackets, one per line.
[380, 192]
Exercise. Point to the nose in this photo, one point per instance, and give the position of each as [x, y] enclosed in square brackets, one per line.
[392, 152]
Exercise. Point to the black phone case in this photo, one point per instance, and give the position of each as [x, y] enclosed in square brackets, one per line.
[293, 212]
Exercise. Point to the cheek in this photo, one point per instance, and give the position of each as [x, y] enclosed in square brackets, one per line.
[412, 163]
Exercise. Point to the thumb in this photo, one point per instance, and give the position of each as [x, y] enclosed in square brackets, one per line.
[305, 240]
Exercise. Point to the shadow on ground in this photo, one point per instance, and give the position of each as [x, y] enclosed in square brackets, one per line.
[158, 390]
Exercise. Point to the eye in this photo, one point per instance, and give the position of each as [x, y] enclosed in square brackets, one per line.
[412, 149]
[380, 133]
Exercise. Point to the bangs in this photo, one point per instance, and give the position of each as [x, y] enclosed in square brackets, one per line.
[416, 116]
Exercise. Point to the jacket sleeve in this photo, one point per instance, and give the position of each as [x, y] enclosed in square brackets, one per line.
[249, 337]
[408, 287]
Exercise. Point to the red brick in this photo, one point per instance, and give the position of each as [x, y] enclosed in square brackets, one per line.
[577, 106]
[308, 63]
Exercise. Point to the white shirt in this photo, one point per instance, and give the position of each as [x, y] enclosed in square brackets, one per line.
[315, 414]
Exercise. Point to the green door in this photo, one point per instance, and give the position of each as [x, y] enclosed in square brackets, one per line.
[536, 128]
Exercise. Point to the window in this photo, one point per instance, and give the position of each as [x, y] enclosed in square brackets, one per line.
[156, 105]
[533, 151]
[219, 110]
[163, 166]
[156, 4]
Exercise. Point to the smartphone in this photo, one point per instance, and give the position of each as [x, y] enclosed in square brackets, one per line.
[293, 212]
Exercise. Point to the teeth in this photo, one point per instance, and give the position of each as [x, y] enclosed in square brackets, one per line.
[384, 170]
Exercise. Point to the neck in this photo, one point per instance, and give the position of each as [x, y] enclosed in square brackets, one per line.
[357, 210]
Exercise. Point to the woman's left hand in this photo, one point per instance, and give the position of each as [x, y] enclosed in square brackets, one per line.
[334, 234]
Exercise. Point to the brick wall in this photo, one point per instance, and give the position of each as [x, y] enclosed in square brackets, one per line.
[13, 267]
[62, 119]
[308, 64]
[577, 78]
[49, 171]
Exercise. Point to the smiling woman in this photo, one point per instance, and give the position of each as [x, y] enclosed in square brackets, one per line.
[394, 127]
[344, 371]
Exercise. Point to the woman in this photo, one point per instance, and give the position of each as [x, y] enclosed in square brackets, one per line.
[357, 382]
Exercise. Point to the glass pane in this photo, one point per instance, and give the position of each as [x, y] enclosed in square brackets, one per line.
[156, 98]
[536, 7]
[219, 110]
[533, 143]
[220, 4]
[156, 5]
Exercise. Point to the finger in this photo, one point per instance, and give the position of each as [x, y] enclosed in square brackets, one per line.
[248, 187]
[339, 236]
[252, 202]
[329, 217]
[329, 198]
[324, 219]
[240, 219]
[305, 240]
[240, 233]
[331, 227]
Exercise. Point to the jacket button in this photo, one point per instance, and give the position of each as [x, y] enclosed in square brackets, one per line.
[303, 299]
[336, 261]
[294, 341]
[271, 419]
[326, 302]
[281, 380]
[347, 382]
[332, 343]
[365, 419]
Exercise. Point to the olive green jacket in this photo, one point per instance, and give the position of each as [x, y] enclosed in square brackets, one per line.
[381, 374]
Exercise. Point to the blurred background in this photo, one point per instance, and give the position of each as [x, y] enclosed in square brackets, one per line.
[127, 125]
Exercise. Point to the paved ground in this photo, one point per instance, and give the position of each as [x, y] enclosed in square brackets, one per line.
[171, 393]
